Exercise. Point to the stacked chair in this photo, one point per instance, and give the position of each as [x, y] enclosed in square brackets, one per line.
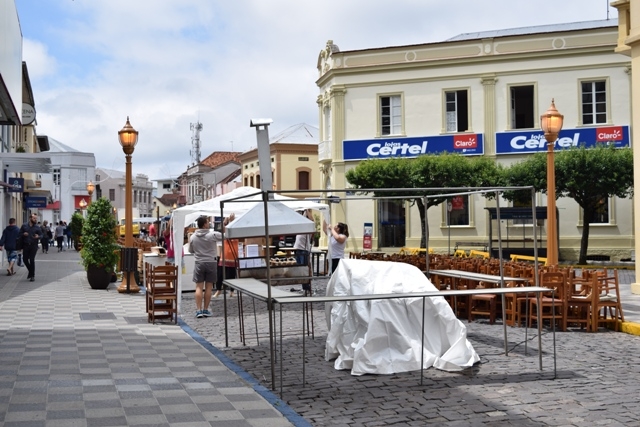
[162, 293]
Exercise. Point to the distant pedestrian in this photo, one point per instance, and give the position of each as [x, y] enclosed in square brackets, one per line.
[30, 233]
[67, 231]
[8, 242]
[60, 235]
[46, 236]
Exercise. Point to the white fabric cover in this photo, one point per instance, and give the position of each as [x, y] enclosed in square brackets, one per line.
[383, 336]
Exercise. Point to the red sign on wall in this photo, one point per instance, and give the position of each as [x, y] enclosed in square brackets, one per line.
[457, 203]
[78, 199]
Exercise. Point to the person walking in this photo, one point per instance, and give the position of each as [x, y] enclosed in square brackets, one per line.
[46, 236]
[69, 234]
[8, 242]
[30, 233]
[60, 236]
[203, 244]
[337, 242]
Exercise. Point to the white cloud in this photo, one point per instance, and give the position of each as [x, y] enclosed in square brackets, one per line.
[39, 62]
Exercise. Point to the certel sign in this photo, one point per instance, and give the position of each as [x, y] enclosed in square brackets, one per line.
[382, 148]
[534, 141]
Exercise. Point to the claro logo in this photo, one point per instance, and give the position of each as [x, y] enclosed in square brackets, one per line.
[609, 134]
[464, 142]
[396, 148]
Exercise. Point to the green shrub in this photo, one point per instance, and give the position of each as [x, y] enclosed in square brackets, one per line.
[99, 245]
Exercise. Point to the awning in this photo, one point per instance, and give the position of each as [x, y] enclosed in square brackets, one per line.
[35, 192]
[54, 206]
[26, 162]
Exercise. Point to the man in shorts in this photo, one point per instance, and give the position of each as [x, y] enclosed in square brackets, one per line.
[203, 244]
[8, 242]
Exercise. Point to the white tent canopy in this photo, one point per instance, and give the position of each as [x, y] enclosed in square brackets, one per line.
[253, 196]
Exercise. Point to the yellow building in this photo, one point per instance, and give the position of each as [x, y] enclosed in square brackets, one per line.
[294, 161]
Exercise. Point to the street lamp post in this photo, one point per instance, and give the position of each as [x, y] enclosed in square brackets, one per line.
[128, 137]
[551, 123]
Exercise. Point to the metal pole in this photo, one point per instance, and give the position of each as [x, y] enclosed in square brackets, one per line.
[552, 231]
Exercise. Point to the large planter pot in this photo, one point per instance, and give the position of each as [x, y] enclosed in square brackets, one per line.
[98, 277]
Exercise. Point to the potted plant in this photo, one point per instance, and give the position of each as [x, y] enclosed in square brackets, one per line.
[99, 248]
[77, 221]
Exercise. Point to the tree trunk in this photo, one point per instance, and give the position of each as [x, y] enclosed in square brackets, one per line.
[584, 241]
[422, 211]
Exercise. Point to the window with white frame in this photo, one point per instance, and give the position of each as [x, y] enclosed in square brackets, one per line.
[112, 195]
[522, 107]
[391, 227]
[601, 215]
[390, 115]
[594, 102]
[56, 176]
[456, 110]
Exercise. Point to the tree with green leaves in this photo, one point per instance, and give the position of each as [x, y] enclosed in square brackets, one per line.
[588, 176]
[428, 171]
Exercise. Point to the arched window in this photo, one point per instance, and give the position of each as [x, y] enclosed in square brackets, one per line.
[304, 181]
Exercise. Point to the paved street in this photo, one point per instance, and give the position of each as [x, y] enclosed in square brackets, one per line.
[72, 356]
[597, 375]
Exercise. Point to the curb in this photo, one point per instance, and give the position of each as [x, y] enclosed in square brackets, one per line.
[630, 328]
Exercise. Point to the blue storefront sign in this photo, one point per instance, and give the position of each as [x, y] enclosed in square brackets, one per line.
[382, 148]
[36, 202]
[533, 141]
[16, 185]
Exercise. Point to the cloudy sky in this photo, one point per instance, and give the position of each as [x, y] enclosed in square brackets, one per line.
[170, 63]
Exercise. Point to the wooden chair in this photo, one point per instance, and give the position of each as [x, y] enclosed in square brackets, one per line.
[511, 306]
[606, 307]
[553, 306]
[162, 293]
[579, 296]
[485, 304]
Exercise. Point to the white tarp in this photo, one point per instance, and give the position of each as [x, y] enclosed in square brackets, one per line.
[383, 336]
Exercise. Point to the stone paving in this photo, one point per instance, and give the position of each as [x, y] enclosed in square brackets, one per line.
[72, 356]
[596, 384]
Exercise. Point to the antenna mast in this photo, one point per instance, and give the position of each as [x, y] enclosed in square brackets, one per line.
[195, 142]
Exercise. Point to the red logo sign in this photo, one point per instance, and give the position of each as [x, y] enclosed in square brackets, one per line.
[613, 133]
[457, 203]
[461, 142]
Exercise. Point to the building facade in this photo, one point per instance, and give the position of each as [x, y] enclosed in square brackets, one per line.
[110, 184]
[294, 161]
[71, 172]
[474, 94]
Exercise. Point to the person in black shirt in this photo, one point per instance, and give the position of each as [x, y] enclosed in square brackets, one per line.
[30, 234]
[8, 242]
